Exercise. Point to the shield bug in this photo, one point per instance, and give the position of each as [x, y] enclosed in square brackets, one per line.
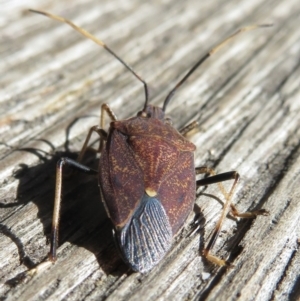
[147, 176]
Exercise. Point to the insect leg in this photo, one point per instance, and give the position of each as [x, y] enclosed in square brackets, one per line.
[96, 129]
[218, 178]
[58, 196]
[188, 128]
[105, 108]
[99, 130]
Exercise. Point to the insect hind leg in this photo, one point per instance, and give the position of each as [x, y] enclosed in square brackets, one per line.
[56, 211]
[218, 179]
[58, 197]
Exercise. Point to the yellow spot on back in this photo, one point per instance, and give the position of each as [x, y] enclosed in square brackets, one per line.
[151, 192]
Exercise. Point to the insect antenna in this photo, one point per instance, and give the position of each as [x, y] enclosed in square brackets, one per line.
[206, 56]
[99, 42]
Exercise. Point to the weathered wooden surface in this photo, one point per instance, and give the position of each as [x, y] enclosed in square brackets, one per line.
[246, 99]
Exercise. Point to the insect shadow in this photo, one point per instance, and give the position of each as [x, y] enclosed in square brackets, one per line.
[84, 221]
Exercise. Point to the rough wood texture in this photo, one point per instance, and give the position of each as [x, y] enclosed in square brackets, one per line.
[246, 99]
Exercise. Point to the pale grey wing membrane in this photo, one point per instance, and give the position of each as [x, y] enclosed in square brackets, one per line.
[147, 237]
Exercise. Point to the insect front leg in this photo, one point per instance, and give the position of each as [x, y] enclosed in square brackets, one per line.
[218, 179]
[188, 128]
[99, 130]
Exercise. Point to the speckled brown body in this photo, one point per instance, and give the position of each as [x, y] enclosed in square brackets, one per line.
[147, 175]
[146, 154]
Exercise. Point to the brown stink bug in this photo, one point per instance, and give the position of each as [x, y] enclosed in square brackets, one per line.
[147, 177]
